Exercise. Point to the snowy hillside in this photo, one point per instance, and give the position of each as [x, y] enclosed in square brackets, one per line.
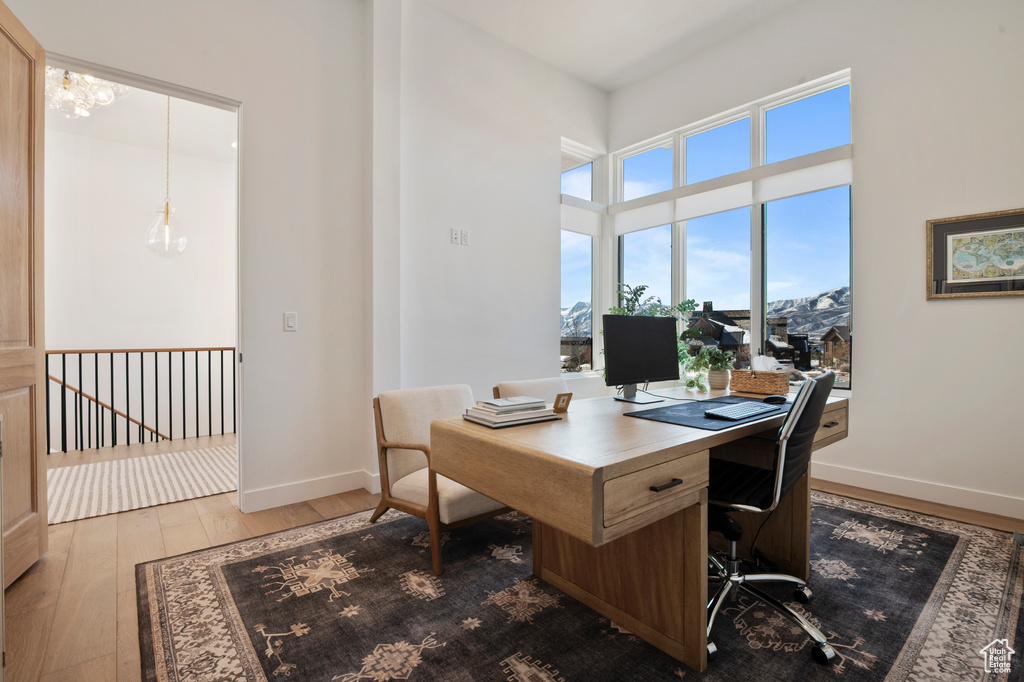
[812, 315]
[579, 315]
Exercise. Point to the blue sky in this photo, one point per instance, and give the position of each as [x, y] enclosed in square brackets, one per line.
[807, 236]
[576, 268]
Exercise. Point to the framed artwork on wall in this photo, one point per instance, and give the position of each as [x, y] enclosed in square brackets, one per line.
[976, 256]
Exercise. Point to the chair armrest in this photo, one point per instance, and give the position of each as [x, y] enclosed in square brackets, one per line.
[425, 449]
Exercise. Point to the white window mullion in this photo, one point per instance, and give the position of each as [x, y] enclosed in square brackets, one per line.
[757, 264]
[757, 281]
[678, 262]
[756, 136]
[679, 174]
[606, 287]
[680, 229]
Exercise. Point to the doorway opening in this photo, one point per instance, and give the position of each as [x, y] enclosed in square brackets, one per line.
[141, 282]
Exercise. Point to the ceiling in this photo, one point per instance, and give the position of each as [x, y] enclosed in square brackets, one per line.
[612, 43]
[607, 43]
[140, 119]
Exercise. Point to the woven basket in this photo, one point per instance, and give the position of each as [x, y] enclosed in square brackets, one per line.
[763, 383]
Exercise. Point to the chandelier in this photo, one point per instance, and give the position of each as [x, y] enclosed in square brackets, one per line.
[74, 94]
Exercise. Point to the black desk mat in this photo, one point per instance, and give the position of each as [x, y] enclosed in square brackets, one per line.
[692, 413]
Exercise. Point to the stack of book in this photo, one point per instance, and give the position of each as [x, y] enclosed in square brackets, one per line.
[502, 412]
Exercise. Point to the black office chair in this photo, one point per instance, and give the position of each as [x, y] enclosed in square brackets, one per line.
[739, 487]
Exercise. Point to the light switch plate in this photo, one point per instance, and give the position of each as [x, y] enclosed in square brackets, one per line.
[291, 322]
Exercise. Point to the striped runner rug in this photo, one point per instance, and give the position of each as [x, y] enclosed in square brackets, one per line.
[86, 490]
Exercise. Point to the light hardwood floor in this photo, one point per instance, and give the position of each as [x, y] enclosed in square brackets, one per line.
[72, 616]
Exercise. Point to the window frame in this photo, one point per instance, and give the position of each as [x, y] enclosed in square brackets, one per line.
[661, 142]
[598, 250]
[759, 170]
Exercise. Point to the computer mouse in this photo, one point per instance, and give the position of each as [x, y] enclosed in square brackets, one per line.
[774, 399]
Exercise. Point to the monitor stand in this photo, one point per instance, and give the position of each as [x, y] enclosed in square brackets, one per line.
[629, 396]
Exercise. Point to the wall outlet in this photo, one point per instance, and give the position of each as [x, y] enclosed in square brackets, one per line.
[456, 236]
[465, 237]
[291, 322]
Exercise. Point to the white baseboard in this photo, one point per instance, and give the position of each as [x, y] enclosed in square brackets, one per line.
[277, 496]
[992, 503]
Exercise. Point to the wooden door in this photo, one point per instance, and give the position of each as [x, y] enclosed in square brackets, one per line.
[22, 391]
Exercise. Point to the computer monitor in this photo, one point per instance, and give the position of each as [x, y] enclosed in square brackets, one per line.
[638, 349]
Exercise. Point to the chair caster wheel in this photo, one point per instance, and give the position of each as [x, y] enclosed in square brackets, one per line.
[713, 651]
[803, 595]
[823, 653]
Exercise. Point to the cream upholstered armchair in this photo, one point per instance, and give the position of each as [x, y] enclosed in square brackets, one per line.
[407, 482]
[545, 389]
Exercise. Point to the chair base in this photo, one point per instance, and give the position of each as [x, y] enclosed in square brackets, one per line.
[732, 580]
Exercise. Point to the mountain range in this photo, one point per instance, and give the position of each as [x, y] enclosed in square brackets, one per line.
[811, 315]
[576, 320]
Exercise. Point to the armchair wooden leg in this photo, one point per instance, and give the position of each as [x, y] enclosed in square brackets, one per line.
[381, 508]
[435, 542]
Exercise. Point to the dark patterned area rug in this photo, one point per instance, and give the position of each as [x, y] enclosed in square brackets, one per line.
[901, 596]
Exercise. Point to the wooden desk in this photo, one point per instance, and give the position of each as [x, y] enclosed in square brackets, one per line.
[599, 533]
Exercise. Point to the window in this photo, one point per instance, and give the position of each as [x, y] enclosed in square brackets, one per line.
[579, 182]
[808, 125]
[767, 249]
[577, 257]
[718, 277]
[720, 151]
[647, 173]
[645, 259]
[807, 279]
[576, 336]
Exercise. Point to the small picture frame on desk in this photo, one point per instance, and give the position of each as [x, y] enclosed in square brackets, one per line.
[562, 402]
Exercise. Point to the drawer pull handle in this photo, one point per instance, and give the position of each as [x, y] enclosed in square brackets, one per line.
[831, 424]
[672, 484]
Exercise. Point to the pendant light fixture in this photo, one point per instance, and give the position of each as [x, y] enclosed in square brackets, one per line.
[74, 94]
[165, 236]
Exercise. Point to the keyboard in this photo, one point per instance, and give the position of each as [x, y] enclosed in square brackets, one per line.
[739, 411]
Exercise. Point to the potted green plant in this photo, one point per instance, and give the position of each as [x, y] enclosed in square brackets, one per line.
[715, 363]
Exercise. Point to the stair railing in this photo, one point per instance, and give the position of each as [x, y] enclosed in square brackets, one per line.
[100, 398]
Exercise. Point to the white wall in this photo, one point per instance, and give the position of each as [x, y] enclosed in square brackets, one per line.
[297, 69]
[937, 133]
[480, 151]
[104, 289]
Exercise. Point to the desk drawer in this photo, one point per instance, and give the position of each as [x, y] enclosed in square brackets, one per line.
[833, 423]
[630, 495]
